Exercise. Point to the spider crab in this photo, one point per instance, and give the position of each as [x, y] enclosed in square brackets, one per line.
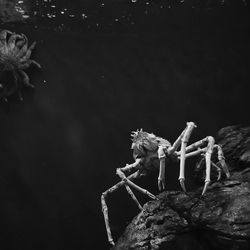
[150, 152]
[15, 58]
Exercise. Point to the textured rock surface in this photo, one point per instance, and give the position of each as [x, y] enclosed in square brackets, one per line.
[218, 220]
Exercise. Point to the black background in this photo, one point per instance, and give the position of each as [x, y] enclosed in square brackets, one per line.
[156, 70]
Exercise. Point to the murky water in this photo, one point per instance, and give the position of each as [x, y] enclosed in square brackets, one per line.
[108, 69]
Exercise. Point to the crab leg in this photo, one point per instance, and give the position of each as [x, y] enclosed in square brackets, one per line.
[208, 152]
[197, 144]
[221, 159]
[199, 151]
[184, 141]
[161, 177]
[105, 207]
[133, 185]
[208, 162]
[130, 192]
[134, 165]
[177, 143]
[214, 165]
[128, 168]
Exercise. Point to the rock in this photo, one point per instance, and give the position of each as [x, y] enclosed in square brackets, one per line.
[218, 220]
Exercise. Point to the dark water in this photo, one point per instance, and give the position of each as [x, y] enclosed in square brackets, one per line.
[61, 145]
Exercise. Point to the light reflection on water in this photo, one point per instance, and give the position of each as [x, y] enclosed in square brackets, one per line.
[101, 14]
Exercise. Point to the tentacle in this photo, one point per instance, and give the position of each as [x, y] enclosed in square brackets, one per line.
[36, 63]
[22, 41]
[27, 64]
[3, 94]
[19, 44]
[10, 88]
[27, 55]
[14, 86]
[24, 38]
[20, 96]
[22, 51]
[26, 79]
[12, 40]
[3, 36]
[3, 42]
[24, 47]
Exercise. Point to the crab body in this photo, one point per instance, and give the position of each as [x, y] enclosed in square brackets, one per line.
[14, 59]
[145, 146]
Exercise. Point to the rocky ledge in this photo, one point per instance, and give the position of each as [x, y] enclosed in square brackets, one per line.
[218, 220]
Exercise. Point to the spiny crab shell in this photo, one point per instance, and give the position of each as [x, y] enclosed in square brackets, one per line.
[143, 141]
[14, 59]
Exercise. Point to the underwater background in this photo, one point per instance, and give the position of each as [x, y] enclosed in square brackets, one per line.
[108, 68]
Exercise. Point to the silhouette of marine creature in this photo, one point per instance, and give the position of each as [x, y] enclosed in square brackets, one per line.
[15, 58]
